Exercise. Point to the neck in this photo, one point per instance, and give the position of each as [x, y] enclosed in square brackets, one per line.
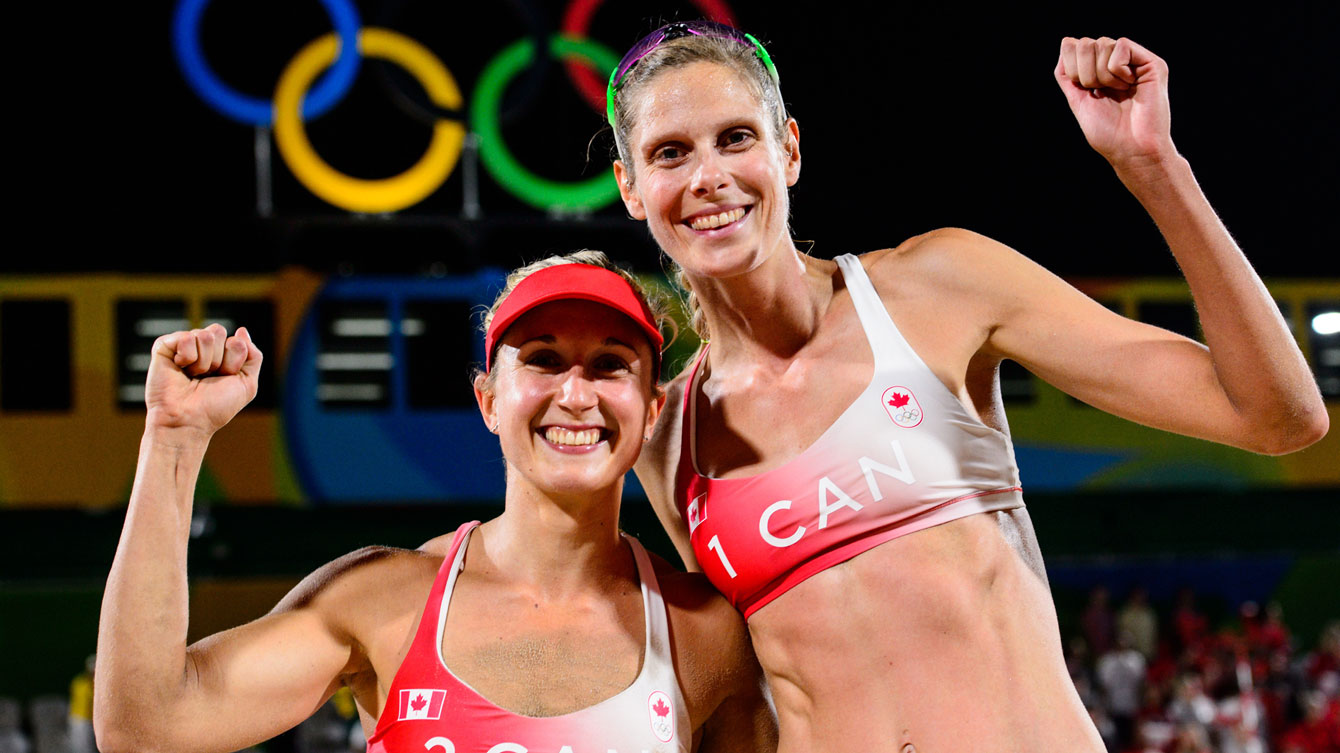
[556, 544]
[767, 313]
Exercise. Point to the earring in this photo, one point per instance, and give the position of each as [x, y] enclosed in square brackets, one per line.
[494, 428]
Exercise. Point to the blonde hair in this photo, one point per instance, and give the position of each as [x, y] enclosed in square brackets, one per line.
[679, 53]
[656, 301]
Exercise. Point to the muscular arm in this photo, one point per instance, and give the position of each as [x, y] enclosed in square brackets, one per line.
[1250, 388]
[235, 688]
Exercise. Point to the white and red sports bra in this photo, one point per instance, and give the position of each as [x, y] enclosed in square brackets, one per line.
[904, 456]
[430, 710]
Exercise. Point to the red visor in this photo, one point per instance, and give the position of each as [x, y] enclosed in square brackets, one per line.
[568, 281]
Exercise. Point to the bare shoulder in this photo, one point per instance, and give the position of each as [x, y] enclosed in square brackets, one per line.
[946, 255]
[365, 588]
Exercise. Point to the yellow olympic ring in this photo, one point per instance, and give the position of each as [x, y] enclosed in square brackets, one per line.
[355, 194]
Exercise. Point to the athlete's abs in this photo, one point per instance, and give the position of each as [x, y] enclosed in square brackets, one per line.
[945, 639]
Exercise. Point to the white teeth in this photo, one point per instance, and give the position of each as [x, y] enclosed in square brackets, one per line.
[559, 435]
[707, 222]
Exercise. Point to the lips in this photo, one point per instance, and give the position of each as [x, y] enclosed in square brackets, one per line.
[718, 219]
[566, 437]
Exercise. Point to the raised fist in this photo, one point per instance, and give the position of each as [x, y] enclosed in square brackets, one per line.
[199, 379]
[1118, 92]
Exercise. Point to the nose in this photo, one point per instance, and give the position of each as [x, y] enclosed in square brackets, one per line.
[710, 175]
[576, 392]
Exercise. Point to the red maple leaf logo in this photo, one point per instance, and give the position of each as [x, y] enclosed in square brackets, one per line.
[660, 708]
[418, 703]
[898, 400]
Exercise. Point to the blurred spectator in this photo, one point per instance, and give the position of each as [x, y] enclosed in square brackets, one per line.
[1190, 705]
[1238, 718]
[1121, 674]
[1097, 622]
[1323, 665]
[1153, 729]
[1189, 626]
[12, 739]
[1138, 619]
[81, 710]
[1319, 730]
[50, 718]
[1191, 738]
[1274, 635]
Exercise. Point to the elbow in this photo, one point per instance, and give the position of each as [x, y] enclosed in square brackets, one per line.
[1303, 429]
[112, 737]
[116, 730]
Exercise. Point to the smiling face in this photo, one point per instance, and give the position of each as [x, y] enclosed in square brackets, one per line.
[572, 395]
[708, 174]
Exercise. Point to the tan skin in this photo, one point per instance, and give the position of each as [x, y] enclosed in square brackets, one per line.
[945, 639]
[546, 619]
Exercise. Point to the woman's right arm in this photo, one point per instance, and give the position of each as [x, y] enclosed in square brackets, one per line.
[233, 689]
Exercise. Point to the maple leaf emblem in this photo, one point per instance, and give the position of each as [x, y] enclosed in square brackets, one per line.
[660, 708]
[418, 703]
[898, 400]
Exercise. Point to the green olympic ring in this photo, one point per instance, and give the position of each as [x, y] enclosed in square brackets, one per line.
[538, 192]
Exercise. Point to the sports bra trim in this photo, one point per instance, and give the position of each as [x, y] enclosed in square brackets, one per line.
[656, 651]
[645, 577]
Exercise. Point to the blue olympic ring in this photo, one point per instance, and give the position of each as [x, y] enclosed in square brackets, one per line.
[251, 110]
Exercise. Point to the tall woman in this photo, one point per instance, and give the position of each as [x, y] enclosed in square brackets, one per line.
[543, 629]
[837, 459]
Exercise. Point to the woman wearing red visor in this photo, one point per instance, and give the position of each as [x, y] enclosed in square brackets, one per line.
[542, 630]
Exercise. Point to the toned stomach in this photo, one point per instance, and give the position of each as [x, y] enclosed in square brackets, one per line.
[943, 639]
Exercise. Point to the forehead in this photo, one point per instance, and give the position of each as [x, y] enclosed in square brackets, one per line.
[576, 323]
[701, 94]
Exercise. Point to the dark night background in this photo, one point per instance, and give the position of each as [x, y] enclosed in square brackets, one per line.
[913, 116]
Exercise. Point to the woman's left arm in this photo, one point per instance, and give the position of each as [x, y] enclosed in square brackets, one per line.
[1252, 380]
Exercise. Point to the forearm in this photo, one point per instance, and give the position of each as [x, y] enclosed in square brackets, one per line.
[1255, 358]
[141, 655]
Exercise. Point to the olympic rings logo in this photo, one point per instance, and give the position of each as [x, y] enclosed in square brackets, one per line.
[300, 97]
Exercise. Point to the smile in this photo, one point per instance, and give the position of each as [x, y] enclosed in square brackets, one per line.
[713, 221]
[570, 438]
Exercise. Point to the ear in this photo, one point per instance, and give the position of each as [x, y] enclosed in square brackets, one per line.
[654, 409]
[792, 146]
[484, 397]
[630, 196]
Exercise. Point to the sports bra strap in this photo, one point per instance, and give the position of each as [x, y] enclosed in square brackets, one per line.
[885, 340]
[653, 607]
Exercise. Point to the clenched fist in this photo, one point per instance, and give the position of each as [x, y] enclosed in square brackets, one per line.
[1118, 92]
[199, 379]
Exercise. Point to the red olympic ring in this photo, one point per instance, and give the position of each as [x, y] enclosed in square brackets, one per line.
[577, 22]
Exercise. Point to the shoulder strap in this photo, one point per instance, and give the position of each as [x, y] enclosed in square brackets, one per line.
[423, 651]
[886, 342]
[688, 420]
[653, 608]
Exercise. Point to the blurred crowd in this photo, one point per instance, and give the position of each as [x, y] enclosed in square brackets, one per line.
[1153, 683]
[1167, 683]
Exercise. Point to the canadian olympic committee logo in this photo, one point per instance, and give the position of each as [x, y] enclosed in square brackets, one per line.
[662, 716]
[902, 406]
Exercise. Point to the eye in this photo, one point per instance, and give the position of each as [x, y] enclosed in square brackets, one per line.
[610, 363]
[737, 138]
[667, 153]
[543, 359]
